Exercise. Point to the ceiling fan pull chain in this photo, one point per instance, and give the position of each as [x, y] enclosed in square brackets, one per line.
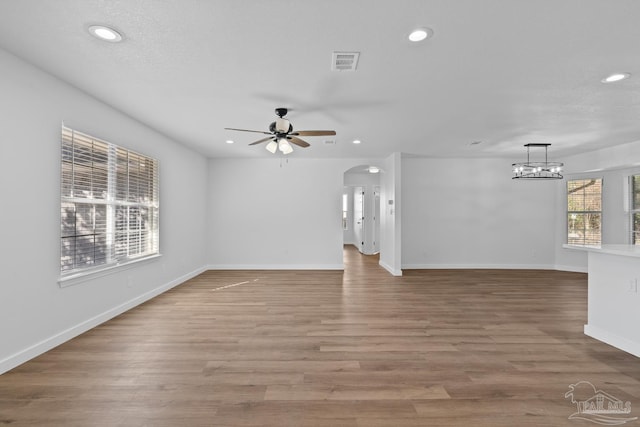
[286, 161]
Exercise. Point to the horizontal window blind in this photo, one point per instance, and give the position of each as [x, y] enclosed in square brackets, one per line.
[584, 212]
[109, 210]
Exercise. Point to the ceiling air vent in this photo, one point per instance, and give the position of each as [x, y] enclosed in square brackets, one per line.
[344, 61]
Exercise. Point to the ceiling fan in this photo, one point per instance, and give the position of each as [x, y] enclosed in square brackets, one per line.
[281, 134]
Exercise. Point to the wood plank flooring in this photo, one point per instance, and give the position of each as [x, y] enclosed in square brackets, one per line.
[323, 348]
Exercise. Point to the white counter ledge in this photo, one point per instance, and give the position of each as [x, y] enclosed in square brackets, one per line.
[624, 250]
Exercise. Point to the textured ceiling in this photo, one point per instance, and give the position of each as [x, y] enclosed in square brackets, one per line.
[502, 72]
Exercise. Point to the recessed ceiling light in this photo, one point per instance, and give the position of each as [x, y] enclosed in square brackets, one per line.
[356, 141]
[105, 33]
[228, 141]
[420, 34]
[616, 77]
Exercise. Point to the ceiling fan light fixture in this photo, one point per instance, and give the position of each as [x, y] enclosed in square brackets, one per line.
[284, 146]
[282, 125]
[281, 134]
[272, 147]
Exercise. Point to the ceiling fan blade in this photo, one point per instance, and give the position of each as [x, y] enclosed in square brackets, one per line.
[261, 140]
[314, 132]
[297, 141]
[247, 130]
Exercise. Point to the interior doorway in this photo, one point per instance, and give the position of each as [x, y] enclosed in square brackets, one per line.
[361, 214]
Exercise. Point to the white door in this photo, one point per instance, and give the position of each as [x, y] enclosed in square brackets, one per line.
[376, 221]
[358, 217]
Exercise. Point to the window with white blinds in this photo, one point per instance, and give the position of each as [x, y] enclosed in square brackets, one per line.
[584, 212]
[109, 204]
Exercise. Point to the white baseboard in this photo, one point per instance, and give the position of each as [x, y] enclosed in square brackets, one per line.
[557, 267]
[478, 266]
[61, 337]
[617, 341]
[275, 267]
[571, 268]
[390, 269]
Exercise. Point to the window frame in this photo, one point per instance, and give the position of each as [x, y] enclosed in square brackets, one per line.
[124, 185]
[583, 212]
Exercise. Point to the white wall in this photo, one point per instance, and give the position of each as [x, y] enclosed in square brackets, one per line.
[35, 313]
[466, 213]
[265, 214]
[391, 250]
[613, 165]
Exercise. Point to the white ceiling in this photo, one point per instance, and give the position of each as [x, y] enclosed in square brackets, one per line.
[502, 72]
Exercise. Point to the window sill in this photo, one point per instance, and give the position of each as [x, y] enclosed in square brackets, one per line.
[74, 279]
[581, 247]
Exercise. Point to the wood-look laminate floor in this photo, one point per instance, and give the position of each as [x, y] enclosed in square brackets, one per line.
[323, 348]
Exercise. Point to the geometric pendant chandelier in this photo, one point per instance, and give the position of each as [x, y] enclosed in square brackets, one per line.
[538, 169]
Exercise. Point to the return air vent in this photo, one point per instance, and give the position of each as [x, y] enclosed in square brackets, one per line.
[344, 61]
